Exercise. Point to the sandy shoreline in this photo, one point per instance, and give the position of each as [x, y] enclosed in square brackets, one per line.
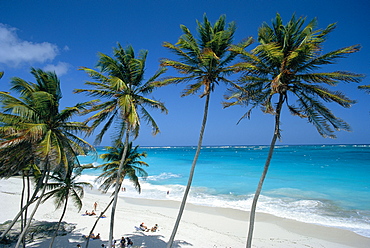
[200, 227]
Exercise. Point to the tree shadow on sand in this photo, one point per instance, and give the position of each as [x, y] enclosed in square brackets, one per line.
[63, 241]
[143, 240]
[75, 237]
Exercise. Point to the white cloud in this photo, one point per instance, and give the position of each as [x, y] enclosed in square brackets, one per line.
[14, 51]
[60, 69]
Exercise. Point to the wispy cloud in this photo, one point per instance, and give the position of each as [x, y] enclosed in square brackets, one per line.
[14, 51]
[60, 69]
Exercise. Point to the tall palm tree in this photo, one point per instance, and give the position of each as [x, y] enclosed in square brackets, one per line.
[33, 121]
[64, 186]
[121, 83]
[204, 61]
[282, 68]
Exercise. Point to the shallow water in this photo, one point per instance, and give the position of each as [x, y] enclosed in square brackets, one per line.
[323, 184]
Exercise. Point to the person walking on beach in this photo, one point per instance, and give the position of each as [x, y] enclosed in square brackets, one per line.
[129, 242]
[95, 206]
[123, 242]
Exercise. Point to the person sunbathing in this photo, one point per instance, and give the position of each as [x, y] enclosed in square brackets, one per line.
[97, 236]
[154, 228]
[143, 227]
[92, 236]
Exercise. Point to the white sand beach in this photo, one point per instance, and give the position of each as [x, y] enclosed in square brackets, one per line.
[200, 227]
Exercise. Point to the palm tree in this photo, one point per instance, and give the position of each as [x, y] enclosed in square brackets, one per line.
[205, 62]
[121, 83]
[131, 169]
[64, 186]
[281, 68]
[33, 121]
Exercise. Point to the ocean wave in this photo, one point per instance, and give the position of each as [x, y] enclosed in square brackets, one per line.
[315, 211]
[163, 176]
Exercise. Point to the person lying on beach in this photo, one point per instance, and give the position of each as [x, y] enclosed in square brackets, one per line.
[92, 236]
[92, 213]
[97, 236]
[154, 228]
[142, 227]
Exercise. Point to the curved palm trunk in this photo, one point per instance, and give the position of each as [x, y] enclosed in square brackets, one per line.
[117, 188]
[264, 173]
[60, 220]
[22, 235]
[25, 208]
[187, 189]
[96, 222]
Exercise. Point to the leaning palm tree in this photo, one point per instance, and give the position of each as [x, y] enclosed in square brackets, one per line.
[282, 68]
[204, 61]
[121, 83]
[64, 186]
[33, 121]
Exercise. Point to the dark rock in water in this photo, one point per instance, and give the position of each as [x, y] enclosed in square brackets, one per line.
[37, 230]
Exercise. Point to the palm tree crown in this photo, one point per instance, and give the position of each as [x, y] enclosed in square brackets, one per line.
[34, 122]
[284, 64]
[204, 60]
[131, 168]
[121, 83]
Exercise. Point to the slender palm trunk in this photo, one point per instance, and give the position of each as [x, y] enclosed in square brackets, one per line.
[96, 222]
[187, 189]
[28, 195]
[264, 173]
[60, 220]
[28, 200]
[22, 235]
[117, 188]
[23, 217]
[25, 208]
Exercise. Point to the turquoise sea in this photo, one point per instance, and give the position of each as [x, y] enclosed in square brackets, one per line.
[323, 184]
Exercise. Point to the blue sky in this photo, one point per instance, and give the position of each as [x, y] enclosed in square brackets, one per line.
[64, 35]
